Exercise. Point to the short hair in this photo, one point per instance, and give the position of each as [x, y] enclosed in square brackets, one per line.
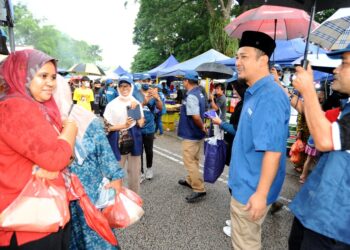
[259, 53]
[221, 85]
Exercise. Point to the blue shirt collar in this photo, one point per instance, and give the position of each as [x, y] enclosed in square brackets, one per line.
[259, 84]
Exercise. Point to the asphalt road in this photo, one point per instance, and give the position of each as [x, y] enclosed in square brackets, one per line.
[171, 223]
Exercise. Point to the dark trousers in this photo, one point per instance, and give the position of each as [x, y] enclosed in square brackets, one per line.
[301, 238]
[54, 241]
[147, 146]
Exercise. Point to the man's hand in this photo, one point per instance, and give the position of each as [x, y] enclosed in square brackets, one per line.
[256, 206]
[304, 80]
[116, 184]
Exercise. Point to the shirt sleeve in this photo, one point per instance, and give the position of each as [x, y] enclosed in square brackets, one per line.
[227, 127]
[192, 105]
[26, 131]
[341, 133]
[270, 124]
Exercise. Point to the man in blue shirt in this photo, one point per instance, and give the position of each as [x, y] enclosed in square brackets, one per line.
[192, 131]
[257, 166]
[322, 207]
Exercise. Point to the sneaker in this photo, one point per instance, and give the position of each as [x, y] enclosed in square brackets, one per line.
[142, 178]
[228, 223]
[149, 173]
[227, 231]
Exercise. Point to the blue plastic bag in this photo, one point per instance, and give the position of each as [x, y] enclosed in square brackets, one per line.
[215, 157]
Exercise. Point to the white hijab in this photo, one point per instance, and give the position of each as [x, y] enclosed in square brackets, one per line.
[116, 110]
[63, 98]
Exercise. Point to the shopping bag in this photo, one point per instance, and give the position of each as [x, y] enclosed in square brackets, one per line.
[294, 153]
[215, 157]
[40, 207]
[126, 210]
[94, 218]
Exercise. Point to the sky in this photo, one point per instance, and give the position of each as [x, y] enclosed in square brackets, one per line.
[106, 23]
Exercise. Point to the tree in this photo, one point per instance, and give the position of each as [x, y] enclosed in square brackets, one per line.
[185, 28]
[31, 31]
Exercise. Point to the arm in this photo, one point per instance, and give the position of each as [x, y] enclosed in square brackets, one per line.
[257, 203]
[156, 96]
[27, 132]
[295, 101]
[212, 102]
[198, 122]
[319, 126]
[227, 127]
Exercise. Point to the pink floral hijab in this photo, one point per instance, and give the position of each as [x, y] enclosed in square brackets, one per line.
[18, 70]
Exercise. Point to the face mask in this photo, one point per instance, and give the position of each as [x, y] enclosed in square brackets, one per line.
[145, 86]
[86, 84]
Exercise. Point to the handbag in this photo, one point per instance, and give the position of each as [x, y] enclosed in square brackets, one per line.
[40, 207]
[126, 142]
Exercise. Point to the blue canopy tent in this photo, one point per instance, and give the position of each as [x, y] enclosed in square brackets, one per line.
[209, 56]
[285, 53]
[171, 61]
[120, 71]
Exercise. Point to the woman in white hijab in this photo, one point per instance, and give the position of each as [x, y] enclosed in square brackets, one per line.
[117, 116]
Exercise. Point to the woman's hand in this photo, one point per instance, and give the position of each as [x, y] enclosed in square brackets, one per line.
[42, 173]
[128, 122]
[116, 184]
[133, 104]
[216, 120]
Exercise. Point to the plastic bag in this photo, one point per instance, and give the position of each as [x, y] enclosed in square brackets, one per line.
[93, 217]
[215, 158]
[40, 207]
[106, 197]
[295, 151]
[126, 210]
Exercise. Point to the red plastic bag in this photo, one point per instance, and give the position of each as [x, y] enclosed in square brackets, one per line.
[126, 210]
[40, 207]
[94, 218]
[295, 151]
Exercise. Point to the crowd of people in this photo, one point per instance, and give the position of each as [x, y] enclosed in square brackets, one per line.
[50, 130]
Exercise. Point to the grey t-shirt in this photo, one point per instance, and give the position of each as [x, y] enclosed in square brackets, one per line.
[221, 103]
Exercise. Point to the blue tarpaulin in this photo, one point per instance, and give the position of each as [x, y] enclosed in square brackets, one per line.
[171, 61]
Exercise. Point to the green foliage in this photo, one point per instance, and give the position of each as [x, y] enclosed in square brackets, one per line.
[323, 15]
[30, 31]
[163, 27]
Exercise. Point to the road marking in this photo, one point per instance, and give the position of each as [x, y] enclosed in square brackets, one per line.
[176, 158]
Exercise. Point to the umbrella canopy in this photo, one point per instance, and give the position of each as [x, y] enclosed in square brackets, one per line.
[300, 4]
[320, 62]
[334, 33]
[86, 69]
[214, 71]
[281, 23]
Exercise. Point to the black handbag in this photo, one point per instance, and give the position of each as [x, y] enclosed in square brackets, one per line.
[126, 142]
